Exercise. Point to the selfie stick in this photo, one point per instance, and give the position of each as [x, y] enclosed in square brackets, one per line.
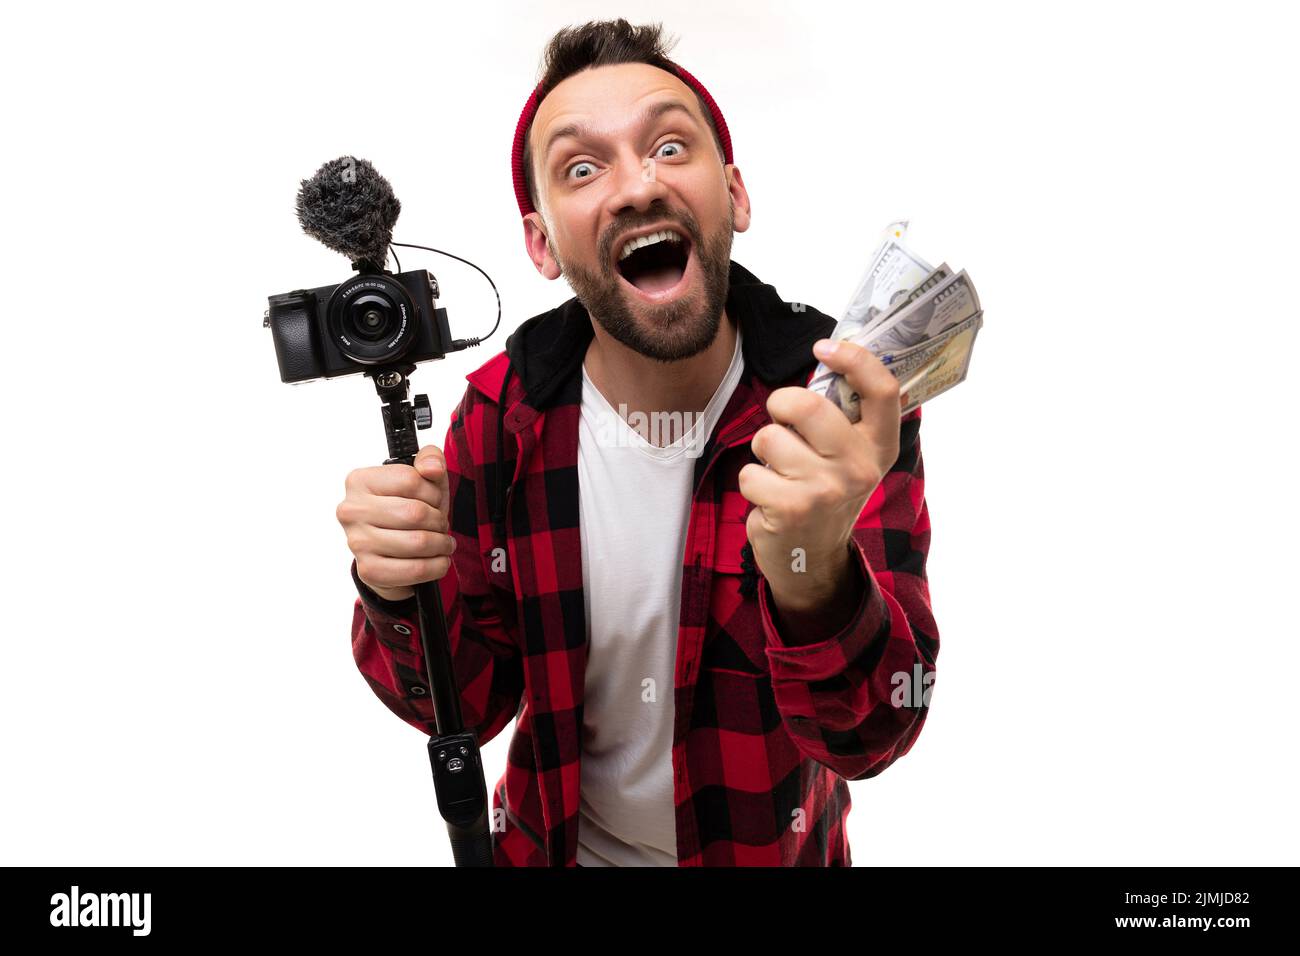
[453, 750]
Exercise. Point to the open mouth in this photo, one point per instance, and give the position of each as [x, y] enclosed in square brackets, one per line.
[657, 269]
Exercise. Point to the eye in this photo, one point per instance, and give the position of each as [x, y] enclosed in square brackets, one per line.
[671, 142]
[568, 172]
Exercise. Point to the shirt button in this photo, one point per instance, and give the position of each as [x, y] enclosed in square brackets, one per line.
[401, 629]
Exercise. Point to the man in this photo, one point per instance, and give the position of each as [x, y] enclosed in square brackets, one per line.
[701, 638]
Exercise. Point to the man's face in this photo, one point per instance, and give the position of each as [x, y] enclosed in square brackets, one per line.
[621, 172]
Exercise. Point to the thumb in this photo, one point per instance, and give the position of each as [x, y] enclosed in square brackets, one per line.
[430, 463]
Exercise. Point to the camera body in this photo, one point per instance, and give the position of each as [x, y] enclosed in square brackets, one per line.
[373, 319]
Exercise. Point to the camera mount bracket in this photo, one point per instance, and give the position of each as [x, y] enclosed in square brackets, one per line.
[453, 751]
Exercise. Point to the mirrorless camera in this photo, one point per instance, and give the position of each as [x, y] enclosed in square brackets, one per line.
[370, 320]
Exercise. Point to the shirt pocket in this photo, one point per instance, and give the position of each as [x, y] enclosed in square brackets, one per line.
[735, 643]
[731, 540]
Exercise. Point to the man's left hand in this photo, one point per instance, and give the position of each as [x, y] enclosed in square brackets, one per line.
[820, 476]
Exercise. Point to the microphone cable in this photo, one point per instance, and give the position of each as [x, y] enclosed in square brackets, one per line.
[457, 344]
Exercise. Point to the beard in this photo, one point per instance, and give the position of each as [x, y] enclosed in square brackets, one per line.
[674, 330]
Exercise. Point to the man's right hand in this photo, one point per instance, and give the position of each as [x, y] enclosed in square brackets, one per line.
[395, 517]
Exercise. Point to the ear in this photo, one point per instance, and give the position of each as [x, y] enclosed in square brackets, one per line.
[538, 248]
[739, 196]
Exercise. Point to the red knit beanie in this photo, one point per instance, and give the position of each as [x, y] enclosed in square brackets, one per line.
[530, 110]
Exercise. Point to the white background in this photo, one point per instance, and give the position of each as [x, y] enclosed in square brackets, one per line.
[1112, 490]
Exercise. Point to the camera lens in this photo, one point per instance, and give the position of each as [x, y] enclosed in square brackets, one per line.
[372, 319]
[370, 316]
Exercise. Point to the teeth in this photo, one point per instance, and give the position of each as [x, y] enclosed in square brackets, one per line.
[663, 234]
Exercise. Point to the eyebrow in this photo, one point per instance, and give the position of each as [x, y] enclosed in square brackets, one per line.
[582, 132]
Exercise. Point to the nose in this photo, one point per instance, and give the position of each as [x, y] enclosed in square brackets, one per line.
[636, 184]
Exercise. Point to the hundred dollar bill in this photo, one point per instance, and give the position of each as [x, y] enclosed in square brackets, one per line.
[894, 271]
[947, 368]
[941, 272]
[905, 364]
[948, 303]
[923, 371]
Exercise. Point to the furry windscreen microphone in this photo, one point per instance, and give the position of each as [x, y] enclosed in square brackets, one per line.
[350, 208]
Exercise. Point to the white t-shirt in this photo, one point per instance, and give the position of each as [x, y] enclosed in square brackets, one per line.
[634, 501]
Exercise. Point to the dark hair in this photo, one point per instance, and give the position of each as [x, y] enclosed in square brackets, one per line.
[603, 43]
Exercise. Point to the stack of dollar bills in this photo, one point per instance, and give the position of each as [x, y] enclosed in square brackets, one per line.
[919, 320]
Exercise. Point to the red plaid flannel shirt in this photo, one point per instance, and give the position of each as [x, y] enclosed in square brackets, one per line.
[768, 728]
